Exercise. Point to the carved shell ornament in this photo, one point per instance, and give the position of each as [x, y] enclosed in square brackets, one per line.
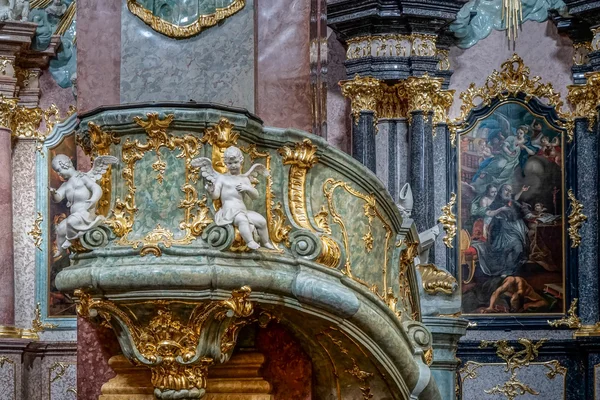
[183, 19]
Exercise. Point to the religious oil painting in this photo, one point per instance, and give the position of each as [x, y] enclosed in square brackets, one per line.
[511, 214]
[59, 304]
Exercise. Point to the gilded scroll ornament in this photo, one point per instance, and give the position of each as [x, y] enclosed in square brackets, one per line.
[36, 231]
[571, 321]
[512, 389]
[512, 79]
[8, 106]
[300, 158]
[444, 59]
[515, 359]
[581, 51]
[195, 211]
[171, 346]
[322, 220]
[436, 280]
[99, 145]
[177, 31]
[576, 218]
[278, 230]
[448, 221]
[37, 325]
[585, 98]
[407, 259]
[364, 93]
[220, 137]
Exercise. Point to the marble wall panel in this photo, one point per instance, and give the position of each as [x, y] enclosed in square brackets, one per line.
[24, 214]
[543, 50]
[338, 107]
[98, 53]
[51, 93]
[95, 346]
[596, 381]
[485, 377]
[283, 93]
[215, 66]
[62, 380]
[9, 370]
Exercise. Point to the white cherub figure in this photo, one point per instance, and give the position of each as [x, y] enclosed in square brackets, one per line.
[230, 189]
[82, 193]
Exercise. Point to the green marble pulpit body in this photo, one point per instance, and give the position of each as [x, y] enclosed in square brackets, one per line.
[341, 276]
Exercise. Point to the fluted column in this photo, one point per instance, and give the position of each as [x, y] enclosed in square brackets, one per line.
[7, 294]
[363, 94]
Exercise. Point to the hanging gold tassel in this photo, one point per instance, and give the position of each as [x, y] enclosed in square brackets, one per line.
[512, 15]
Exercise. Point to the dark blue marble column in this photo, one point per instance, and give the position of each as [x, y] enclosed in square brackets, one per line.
[420, 168]
[586, 192]
[397, 155]
[363, 139]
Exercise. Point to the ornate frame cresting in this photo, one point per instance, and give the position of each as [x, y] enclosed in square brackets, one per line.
[59, 132]
[185, 31]
[512, 84]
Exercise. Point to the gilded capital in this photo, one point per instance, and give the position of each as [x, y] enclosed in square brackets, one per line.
[585, 98]
[425, 94]
[8, 106]
[25, 122]
[363, 92]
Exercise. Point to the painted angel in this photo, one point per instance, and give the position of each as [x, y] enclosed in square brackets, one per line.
[82, 194]
[230, 188]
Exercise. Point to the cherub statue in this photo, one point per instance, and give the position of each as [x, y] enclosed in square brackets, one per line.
[16, 10]
[230, 188]
[82, 193]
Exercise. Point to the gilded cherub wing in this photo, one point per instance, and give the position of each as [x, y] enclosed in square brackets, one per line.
[255, 170]
[206, 168]
[101, 164]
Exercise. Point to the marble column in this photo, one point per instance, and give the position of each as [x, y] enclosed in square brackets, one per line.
[363, 139]
[420, 168]
[586, 192]
[7, 273]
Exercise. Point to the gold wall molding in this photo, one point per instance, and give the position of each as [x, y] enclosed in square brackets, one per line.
[436, 280]
[180, 32]
[169, 343]
[370, 211]
[576, 219]
[512, 79]
[100, 143]
[571, 320]
[448, 221]
[36, 231]
[196, 213]
[417, 44]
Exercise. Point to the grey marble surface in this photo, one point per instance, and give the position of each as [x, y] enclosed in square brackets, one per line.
[215, 66]
[440, 192]
[9, 371]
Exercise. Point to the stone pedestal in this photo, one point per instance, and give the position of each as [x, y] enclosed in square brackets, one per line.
[446, 333]
[239, 379]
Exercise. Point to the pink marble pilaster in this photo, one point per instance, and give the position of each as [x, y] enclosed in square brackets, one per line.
[95, 346]
[7, 273]
[283, 94]
[98, 53]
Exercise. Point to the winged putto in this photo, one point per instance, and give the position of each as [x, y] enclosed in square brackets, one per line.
[230, 189]
[82, 193]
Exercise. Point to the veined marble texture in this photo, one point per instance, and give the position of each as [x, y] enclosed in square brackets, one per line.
[215, 66]
[9, 370]
[542, 49]
[338, 107]
[24, 214]
[283, 93]
[98, 53]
